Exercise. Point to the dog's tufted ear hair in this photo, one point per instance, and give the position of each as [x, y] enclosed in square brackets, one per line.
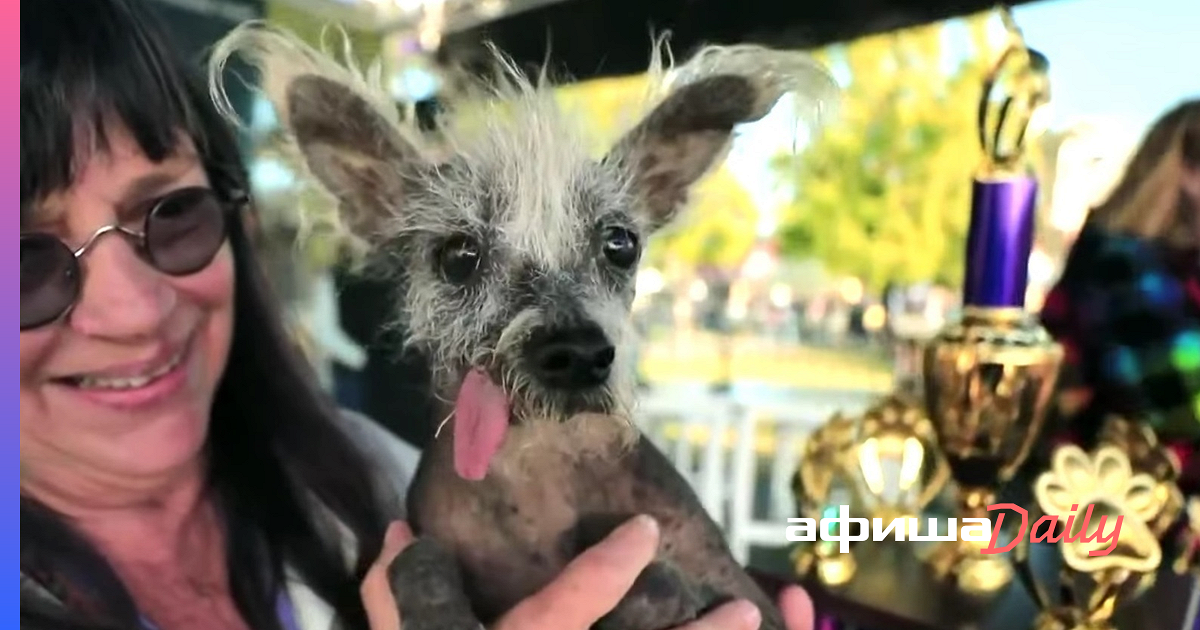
[357, 155]
[685, 136]
[345, 127]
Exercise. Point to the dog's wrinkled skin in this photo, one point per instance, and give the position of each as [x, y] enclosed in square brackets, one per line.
[543, 216]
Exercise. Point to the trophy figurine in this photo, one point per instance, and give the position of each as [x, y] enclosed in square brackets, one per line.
[989, 377]
[900, 469]
[1101, 570]
[1140, 444]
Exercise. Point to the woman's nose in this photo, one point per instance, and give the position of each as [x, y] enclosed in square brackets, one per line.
[123, 297]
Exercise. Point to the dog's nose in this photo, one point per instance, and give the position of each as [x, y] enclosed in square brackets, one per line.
[577, 358]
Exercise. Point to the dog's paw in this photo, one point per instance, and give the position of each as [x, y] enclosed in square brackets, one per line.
[428, 588]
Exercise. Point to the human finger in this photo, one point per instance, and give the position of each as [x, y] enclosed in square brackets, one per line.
[797, 609]
[592, 584]
[376, 591]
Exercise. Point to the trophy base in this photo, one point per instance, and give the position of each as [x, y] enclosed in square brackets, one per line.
[1068, 619]
[837, 570]
[833, 569]
[973, 571]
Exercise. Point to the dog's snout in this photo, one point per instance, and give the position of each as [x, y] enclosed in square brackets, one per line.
[571, 359]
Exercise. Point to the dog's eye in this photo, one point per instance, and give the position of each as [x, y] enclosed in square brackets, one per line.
[621, 247]
[458, 259]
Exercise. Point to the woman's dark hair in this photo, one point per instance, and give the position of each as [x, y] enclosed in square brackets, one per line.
[274, 446]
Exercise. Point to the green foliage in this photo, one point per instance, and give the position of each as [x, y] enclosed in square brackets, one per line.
[717, 230]
[366, 46]
[883, 193]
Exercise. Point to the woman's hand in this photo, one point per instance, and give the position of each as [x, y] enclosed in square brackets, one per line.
[587, 589]
[376, 590]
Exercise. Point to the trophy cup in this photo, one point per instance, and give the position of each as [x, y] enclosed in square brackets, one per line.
[989, 377]
[1105, 561]
[824, 482]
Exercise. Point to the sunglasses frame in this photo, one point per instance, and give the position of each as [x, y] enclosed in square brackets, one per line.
[230, 206]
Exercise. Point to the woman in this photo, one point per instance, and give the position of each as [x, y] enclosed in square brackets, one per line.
[1127, 307]
[180, 470]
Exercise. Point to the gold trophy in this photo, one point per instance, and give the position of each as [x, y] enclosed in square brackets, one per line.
[1189, 556]
[1106, 561]
[883, 465]
[900, 468]
[989, 378]
[1147, 455]
[825, 481]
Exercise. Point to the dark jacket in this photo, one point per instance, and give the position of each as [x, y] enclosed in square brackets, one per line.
[1127, 312]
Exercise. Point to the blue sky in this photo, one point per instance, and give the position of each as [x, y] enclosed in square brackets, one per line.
[1124, 60]
[1128, 59]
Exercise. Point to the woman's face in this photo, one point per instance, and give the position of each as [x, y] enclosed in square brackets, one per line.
[85, 404]
[1191, 174]
[1190, 185]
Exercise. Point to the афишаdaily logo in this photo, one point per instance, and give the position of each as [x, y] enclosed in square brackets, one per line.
[838, 529]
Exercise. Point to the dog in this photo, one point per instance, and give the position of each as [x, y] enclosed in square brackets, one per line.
[518, 251]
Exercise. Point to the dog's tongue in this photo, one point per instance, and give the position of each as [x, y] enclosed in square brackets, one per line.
[480, 421]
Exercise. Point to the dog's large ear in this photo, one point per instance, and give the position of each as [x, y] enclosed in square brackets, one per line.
[687, 134]
[355, 153]
[344, 126]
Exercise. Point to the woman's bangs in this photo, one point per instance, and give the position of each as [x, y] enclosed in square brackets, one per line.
[82, 72]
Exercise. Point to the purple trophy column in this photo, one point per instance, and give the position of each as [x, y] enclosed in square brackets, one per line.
[999, 242]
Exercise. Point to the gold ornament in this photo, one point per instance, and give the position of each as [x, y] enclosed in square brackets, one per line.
[989, 380]
[1147, 455]
[1110, 553]
[824, 480]
[901, 470]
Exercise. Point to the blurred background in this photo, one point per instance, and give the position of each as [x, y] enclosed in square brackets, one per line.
[811, 264]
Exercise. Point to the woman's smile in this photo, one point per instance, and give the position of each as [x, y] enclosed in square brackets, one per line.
[145, 384]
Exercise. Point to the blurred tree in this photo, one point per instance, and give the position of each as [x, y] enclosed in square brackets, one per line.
[366, 46]
[607, 107]
[883, 192]
[717, 230]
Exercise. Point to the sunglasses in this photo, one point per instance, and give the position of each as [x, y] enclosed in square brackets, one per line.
[181, 234]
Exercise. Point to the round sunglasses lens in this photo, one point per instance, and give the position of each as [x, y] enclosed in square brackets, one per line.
[185, 231]
[49, 279]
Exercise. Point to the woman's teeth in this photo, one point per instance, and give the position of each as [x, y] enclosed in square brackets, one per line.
[128, 382]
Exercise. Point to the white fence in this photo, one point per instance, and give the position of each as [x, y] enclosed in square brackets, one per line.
[718, 443]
